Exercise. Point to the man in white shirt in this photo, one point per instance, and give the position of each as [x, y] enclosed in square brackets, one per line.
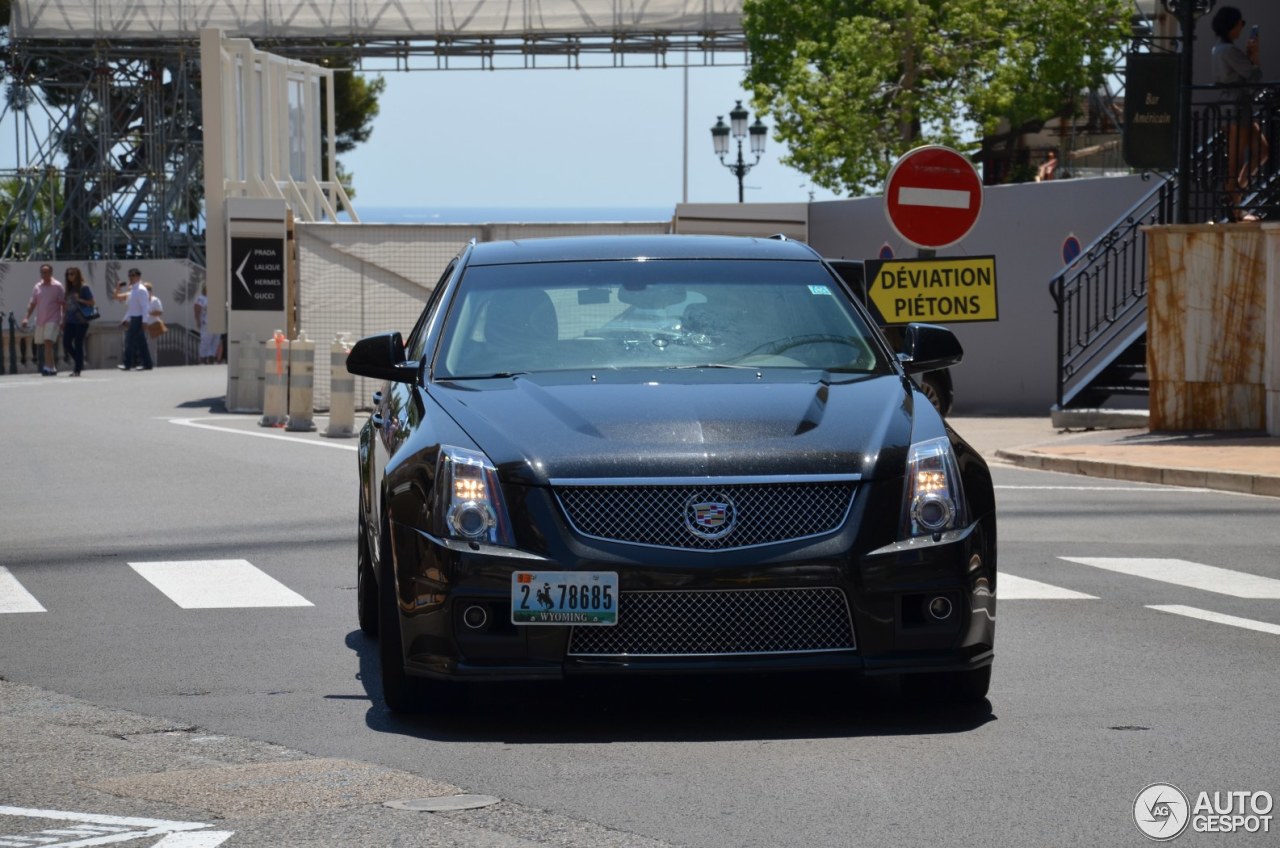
[155, 309]
[136, 355]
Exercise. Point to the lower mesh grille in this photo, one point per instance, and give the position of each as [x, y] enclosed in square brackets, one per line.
[721, 622]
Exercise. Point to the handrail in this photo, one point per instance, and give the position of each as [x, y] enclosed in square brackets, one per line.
[1218, 111]
[1100, 299]
[1100, 296]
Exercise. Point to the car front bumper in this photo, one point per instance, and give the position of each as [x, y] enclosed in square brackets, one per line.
[886, 593]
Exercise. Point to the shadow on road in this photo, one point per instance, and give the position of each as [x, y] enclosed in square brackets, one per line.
[213, 405]
[668, 709]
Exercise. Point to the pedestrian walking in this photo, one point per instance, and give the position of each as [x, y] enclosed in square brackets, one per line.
[154, 323]
[48, 300]
[208, 340]
[1235, 70]
[138, 303]
[76, 324]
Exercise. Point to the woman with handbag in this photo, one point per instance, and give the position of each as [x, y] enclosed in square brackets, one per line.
[154, 323]
[80, 311]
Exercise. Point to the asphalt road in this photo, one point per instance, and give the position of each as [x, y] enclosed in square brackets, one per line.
[1136, 645]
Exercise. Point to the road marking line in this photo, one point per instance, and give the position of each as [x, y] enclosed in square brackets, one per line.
[218, 584]
[98, 829]
[1012, 588]
[44, 382]
[14, 597]
[195, 839]
[1219, 618]
[940, 197]
[1180, 572]
[1168, 490]
[267, 433]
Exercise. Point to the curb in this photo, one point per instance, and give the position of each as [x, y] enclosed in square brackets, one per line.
[1265, 485]
[1099, 419]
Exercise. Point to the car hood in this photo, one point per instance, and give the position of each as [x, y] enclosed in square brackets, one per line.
[714, 423]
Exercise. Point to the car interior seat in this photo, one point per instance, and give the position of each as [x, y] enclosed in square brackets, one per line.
[521, 327]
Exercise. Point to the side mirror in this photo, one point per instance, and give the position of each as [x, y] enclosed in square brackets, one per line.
[382, 357]
[928, 347]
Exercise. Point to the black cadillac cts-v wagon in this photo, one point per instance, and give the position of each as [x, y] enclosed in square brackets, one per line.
[632, 455]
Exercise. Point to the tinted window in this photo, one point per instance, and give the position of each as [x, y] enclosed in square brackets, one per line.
[416, 345]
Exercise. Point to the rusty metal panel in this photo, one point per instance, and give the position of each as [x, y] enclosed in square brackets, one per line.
[1206, 327]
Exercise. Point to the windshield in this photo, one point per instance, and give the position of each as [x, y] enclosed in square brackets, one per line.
[556, 316]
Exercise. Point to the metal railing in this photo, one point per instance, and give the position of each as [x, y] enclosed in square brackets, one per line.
[1100, 299]
[19, 353]
[1235, 133]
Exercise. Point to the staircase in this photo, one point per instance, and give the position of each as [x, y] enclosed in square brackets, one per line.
[1101, 299]
[1101, 303]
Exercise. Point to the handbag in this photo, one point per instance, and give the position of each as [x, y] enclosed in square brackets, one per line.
[156, 329]
[90, 313]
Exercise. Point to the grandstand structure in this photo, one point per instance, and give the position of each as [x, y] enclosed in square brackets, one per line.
[102, 140]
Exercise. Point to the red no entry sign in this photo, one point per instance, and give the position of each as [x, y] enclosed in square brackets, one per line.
[933, 197]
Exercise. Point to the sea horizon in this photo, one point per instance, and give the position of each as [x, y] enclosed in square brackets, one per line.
[510, 214]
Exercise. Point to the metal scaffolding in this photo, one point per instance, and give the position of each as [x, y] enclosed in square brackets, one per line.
[106, 152]
[101, 141]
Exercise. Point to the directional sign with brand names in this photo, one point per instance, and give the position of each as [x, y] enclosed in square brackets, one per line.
[933, 197]
[257, 274]
[937, 291]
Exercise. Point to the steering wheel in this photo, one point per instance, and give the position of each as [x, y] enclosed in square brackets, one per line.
[779, 346]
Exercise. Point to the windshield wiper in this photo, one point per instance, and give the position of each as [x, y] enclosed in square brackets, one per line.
[712, 365]
[496, 376]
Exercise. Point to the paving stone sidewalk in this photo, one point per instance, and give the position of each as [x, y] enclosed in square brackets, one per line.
[1228, 461]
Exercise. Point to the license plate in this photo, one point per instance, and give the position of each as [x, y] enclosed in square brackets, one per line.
[564, 597]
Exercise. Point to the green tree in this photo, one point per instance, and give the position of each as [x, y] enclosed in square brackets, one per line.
[851, 85]
[29, 205]
[355, 105]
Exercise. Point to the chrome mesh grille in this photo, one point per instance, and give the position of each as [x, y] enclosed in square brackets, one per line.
[660, 515]
[721, 622]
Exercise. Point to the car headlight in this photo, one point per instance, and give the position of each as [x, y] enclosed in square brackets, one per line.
[470, 499]
[933, 495]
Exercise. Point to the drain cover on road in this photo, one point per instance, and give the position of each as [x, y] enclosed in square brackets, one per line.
[444, 803]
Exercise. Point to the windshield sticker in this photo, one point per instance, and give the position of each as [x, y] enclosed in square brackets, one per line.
[819, 290]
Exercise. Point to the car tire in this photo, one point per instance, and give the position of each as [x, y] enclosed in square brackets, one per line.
[970, 687]
[933, 389]
[954, 687]
[366, 582]
[401, 692]
[397, 687]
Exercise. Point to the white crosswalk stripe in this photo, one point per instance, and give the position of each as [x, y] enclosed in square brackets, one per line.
[1208, 578]
[218, 584]
[1219, 618]
[1012, 588]
[237, 583]
[13, 595]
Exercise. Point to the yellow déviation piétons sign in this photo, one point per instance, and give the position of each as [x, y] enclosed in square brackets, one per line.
[936, 291]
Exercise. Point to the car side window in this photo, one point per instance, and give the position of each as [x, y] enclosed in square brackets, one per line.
[416, 347]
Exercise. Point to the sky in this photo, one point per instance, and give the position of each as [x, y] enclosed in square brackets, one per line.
[596, 137]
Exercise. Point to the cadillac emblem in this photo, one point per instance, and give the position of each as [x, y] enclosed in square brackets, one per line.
[710, 518]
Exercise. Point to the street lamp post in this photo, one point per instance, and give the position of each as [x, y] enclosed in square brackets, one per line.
[738, 128]
[1187, 12]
